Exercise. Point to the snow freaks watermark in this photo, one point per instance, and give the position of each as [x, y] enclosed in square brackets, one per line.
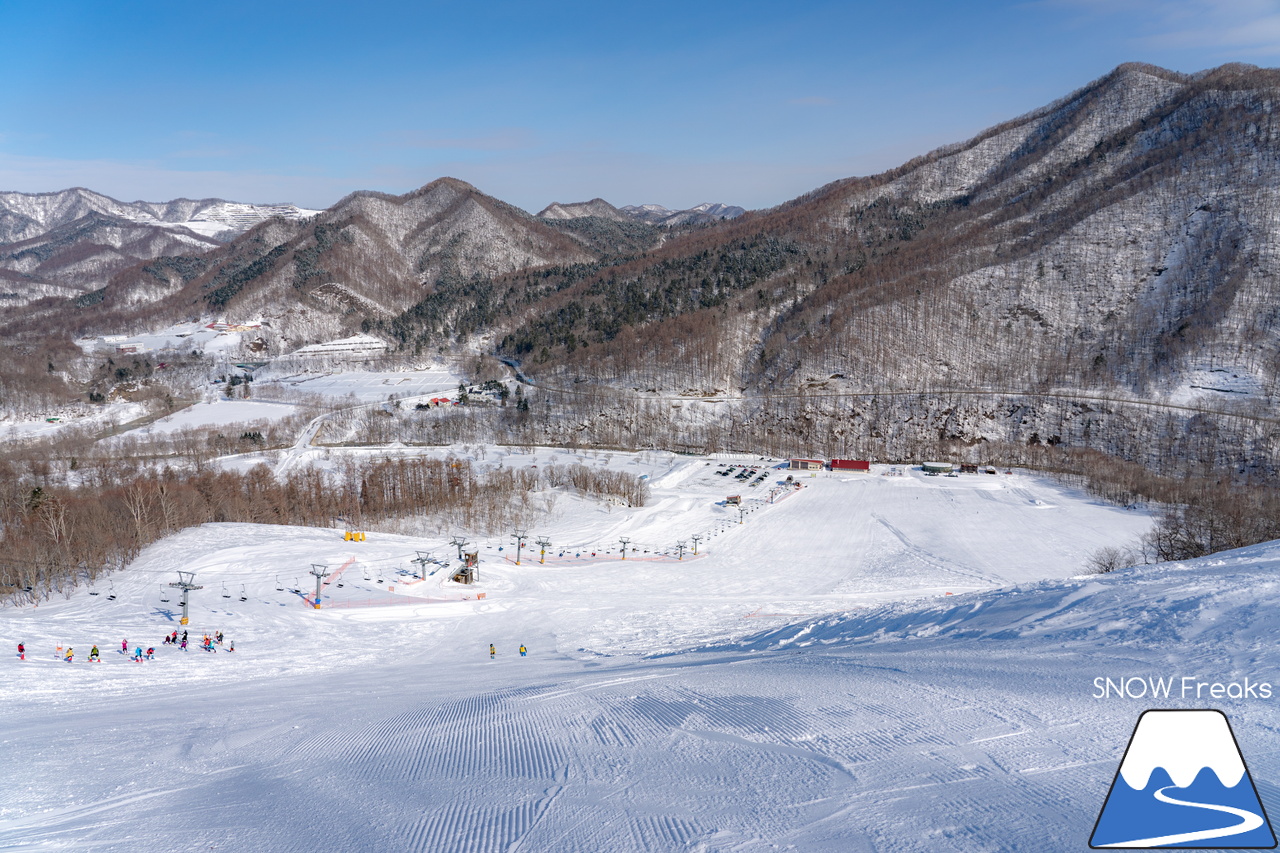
[1180, 687]
[1183, 783]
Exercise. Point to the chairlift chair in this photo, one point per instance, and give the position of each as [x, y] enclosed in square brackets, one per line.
[243, 596]
[225, 593]
[279, 586]
[111, 591]
[164, 594]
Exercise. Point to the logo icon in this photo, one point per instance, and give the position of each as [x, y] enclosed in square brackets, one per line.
[1183, 783]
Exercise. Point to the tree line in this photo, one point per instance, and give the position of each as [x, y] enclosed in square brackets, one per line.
[55, 537]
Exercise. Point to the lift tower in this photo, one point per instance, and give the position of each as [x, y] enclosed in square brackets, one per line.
[186, 583]
[321, 572]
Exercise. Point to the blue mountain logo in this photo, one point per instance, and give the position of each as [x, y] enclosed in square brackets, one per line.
[1183, 784]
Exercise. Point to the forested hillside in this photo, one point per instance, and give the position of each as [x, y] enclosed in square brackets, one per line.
[1101, 273]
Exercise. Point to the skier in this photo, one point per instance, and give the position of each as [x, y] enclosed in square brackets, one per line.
[165, 641]
[184, 636]
[94, 656]
[22, 652]
[137, 654]
[184, 644]
[523, 650]
[233, 646]
[151, 653]
[173, 638]
[492, 651]
[70, 654]
[219, 635]
[124, 647]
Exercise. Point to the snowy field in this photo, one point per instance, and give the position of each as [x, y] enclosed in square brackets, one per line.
[216, 413]
[365, 386]
[187, 337]
[1204, 384]
[804, 682]
[92, 416]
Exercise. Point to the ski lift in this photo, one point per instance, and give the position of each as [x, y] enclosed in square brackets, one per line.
[164, 594]
[243, 596]
[93, 591]
[380, 578]
[111, 592]
[279, 587]
[225, 594]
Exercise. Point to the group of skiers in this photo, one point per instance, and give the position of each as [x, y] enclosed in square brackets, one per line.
[207, 643]
[493, 651]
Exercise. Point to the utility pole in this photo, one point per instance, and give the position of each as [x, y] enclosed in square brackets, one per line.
[742, 513]
[460, 541]
[680, 545]
[520, 536]
[422, 559]
[543, 543]
[186, 583]
[625, 541]
[697, 537]
[321, 572]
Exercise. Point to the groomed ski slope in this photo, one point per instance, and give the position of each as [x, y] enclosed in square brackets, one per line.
[804, 683]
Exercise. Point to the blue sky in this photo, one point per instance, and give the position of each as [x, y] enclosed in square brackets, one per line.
[743, 102]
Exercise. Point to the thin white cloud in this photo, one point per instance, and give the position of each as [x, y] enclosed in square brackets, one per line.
[1227, 25]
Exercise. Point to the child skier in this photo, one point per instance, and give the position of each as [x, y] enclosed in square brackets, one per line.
[184, 644]
[137, 654]
[124, 647]
[492, 651]
[151, 653]
[523, 650]
[70, 654]
[22, 652]
[94, 656]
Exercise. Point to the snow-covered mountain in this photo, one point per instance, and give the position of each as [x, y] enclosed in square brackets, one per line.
[656, 214]
[580, 209]
[653, 214]
[370, 256]
[82, 254]
[70, 242]
[24, 216]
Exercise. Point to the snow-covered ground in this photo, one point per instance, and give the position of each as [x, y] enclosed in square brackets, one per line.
[82, 415]
[186, 337]
[1207, 384]
[365, 386]
[803, 683]
[220, 413]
